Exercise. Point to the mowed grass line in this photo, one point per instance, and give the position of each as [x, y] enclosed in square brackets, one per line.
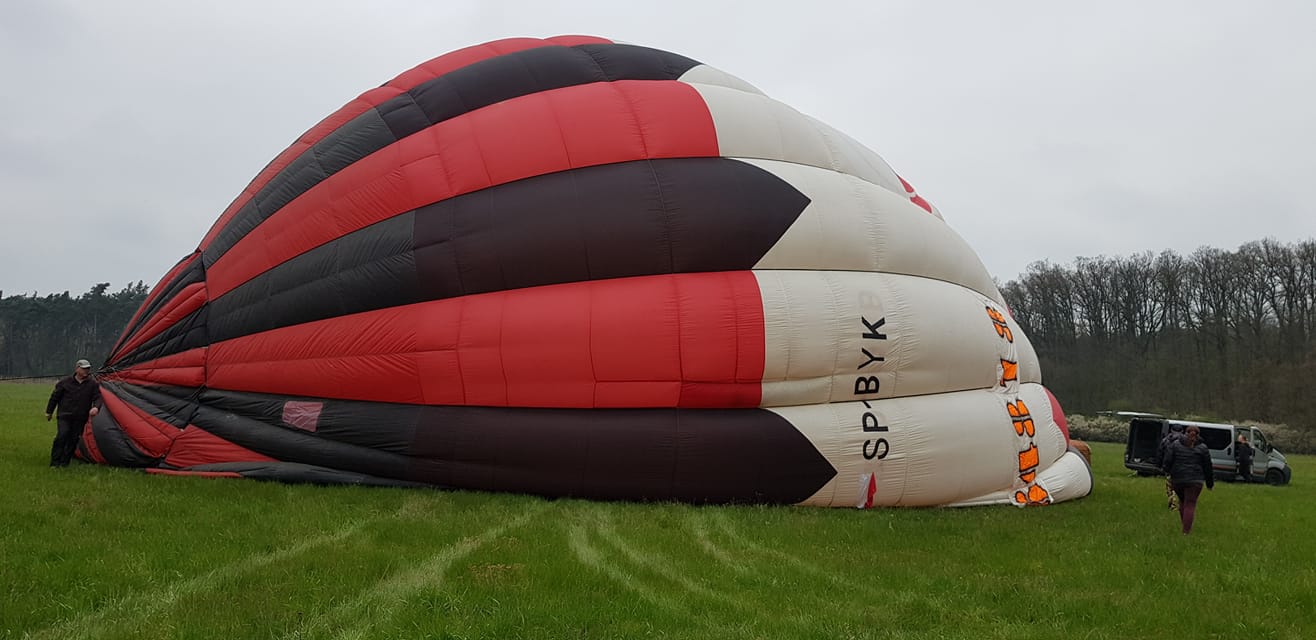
[95, 552]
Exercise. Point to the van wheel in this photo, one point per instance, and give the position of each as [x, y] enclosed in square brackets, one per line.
[1274, 477]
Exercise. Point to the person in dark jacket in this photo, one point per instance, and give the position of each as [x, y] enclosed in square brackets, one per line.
[1175, 434]
[1243, 458]
[77, 398]
[1188, 463]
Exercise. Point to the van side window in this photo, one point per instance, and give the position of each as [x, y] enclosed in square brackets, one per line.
[1216, 438]
[1258, 441]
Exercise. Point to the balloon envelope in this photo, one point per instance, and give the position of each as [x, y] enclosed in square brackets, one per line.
[573, 267]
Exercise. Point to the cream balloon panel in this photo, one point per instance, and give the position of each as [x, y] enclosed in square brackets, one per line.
[854, 225]
[800, 138]
[838, 336]
[859, 153]
[935, 449]
[712, 76]
[1069, 478]
[751, 125]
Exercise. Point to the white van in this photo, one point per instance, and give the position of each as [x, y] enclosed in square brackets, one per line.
[1146, 431]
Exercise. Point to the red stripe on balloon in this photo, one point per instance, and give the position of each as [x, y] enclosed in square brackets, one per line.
[195, 446]
[191, 298]
[685, 340]
[183, 369]
[401, 84]
[914, 197]
[1058, 413]
[537, 134]
[93, 451]
[150, 298]
[152, 435]
[153, 375]
[577, 39]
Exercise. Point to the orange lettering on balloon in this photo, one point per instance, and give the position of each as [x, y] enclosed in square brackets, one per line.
[1010, 371]
[1023, 423]
[998, 321]
[1028, 459]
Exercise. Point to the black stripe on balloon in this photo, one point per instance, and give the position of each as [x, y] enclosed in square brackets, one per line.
[374, 425]
[373, 268]
[191, 275]
[168, 404]
[704, 456]
[296, 473]
[453, 94]
[296, 445]
[236, 422]
[690, 455]
[647, 217]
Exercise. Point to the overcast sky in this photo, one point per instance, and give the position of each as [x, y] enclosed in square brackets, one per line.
[1042, 130]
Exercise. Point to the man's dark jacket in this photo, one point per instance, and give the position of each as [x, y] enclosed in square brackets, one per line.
[1171, 437]
[74, 399]
[1243, 452]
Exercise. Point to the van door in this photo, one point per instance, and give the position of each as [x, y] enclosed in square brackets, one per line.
[1260, 454]
[1220, 440]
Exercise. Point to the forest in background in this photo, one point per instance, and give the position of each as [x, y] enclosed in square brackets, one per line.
[45, 335]
[1217, 334]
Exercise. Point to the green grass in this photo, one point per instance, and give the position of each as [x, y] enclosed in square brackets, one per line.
[98, 552]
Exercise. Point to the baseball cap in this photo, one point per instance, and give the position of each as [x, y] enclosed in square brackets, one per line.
[83, 364]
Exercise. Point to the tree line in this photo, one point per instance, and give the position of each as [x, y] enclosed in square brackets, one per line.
[1227, 335]
[45, 335]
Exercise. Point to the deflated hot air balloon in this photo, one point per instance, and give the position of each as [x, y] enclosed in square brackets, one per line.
[572, 267]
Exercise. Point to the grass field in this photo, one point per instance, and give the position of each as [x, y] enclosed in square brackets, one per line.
[95, 552]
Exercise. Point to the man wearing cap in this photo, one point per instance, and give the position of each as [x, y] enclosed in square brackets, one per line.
[76, 397]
